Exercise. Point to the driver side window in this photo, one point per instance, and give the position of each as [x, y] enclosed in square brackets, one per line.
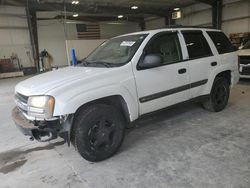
[167, 46]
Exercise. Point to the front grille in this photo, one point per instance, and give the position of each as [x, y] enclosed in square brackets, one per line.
[244, 60]
[21, 102]
[22, 98]
[245, 71]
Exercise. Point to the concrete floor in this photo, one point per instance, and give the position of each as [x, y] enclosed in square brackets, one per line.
[182, 147]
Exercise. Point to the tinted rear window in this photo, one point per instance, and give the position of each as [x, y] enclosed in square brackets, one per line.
[197, 45]
[221, 42]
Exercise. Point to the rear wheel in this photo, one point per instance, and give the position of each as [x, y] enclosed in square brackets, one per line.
[219, 95]
[98, 132]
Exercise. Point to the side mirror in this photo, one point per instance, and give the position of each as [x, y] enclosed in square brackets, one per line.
[151, 61]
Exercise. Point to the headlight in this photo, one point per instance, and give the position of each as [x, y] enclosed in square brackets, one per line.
[41, 106]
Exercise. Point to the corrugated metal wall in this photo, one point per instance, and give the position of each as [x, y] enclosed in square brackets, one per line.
[14, 35]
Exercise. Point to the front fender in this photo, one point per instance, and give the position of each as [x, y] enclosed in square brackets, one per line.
[70, 106]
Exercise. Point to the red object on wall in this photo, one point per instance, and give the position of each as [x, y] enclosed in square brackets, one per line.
[6, 65]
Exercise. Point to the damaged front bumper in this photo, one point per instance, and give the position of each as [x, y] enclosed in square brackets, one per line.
[42, 131]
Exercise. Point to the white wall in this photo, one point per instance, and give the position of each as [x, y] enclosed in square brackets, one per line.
[154, 23]
[112, 29]
[52, 36]
[82, 47]
[198, 14]
[235, 16]
[14, 35]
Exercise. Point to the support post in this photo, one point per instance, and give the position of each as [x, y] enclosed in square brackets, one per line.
[142, 25]
[31, 19]
[217, 14]
[169, 21]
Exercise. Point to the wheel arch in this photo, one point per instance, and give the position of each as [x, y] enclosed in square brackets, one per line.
[114, 100]
[112, 94]
[226, 74]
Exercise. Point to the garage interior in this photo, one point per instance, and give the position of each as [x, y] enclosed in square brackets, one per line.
[180, 147]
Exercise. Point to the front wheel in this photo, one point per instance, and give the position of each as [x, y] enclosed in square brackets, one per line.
[98, 132]
[219, 95]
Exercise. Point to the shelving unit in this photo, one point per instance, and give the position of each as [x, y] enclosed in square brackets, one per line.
[238, 38]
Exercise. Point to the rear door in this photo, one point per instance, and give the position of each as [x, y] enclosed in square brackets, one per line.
[201, 61]
[225, 49]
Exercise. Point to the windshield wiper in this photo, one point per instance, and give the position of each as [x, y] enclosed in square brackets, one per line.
[83, 63]
[106, 64]
[97, 64]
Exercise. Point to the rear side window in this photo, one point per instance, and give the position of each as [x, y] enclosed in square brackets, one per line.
[221, 42]
[197, 45]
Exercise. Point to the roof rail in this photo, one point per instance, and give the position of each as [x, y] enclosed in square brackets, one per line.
[185, 26]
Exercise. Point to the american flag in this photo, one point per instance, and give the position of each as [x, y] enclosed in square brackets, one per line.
[88, 31]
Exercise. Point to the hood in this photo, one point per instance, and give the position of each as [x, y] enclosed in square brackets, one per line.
[244, 52]
[41, 84]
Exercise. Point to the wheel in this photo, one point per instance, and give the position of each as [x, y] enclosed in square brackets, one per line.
[98, 132]
[219, 95]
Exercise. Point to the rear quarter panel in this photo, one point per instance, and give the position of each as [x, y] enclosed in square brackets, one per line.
[228, 62]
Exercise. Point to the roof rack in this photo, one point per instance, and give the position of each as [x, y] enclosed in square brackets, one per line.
[185, 26]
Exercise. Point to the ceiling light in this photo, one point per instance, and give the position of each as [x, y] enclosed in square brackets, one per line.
[120, 16]
[75, 2]
[176, 9]
[75, 15]
[134, 7]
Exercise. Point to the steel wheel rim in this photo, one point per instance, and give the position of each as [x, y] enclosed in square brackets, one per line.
[102, 135]
[220, 95]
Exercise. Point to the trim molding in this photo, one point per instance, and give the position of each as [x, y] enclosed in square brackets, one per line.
[172, 91]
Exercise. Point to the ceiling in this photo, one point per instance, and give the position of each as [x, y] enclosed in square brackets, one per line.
[105, 10]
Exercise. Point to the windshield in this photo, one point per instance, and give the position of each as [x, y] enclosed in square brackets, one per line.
[115, 52]
[247, 45]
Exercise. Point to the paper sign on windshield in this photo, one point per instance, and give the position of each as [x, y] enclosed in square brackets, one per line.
[127, 43]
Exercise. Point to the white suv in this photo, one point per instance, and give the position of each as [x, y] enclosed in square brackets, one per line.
[123, 79]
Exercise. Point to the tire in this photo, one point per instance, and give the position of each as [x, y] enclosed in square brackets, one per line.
[98, 132]
[219, 95]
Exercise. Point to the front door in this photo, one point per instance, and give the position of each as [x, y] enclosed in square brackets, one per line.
[167, 84]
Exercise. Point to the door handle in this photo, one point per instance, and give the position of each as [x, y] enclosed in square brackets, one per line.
[213, 64]
[182, 71]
